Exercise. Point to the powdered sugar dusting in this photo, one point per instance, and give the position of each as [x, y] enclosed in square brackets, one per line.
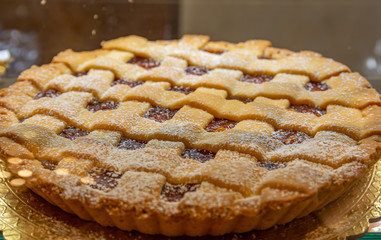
[139, 148]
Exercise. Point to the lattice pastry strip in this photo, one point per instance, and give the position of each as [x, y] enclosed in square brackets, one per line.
[14, 97]
[297, 176]
[67, 107]
[341, 154]
[46, 121]
[296, 63]
[234, 171]
[191, 116]
[41, 142]
[305, 189]
[232, 138]
[162, 98]
[96, 82]
[294, 152]
[282, 86]
[148, 184]
[75, 166]
[167, 137]
[156, 50]
[127, 110]
[7, 117]
[255, 126]
[352, 122]
[105, 136]
[276, 53]
[136, 160]
[116, 93]
[40, 76]
[108, 155]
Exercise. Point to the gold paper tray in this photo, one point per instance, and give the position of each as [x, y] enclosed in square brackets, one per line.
[24, 215]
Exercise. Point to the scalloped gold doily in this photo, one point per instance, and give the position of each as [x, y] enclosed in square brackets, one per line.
[24, 215]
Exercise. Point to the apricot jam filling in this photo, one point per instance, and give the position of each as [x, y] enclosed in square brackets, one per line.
[194, 70]
[96, 106]
[175, 192]
[51, 93]
[130, 144]
[146, 63]
[160, 114]
[304, 108]
[219, 125]
[256, 78]
[73, 133]
[200, 155]
[289, 136]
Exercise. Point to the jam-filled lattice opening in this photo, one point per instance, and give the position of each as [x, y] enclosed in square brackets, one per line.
[256, 78]
[272, 165]
[51, 93]
[96, 106]
[181, 89]
[104, 180]
[219, 125]
[146, 63]
[48, 165]
[175, 192]
[129, 83]
[289, 136]
[304, 108]
[130, 144]
[316, 86]
[199, 155]
[73, 133]
[194, 70]
[160, 114]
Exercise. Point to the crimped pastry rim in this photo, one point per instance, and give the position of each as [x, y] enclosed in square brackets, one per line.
[370, 141]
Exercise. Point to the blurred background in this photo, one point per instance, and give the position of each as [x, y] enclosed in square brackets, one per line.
[346, 30]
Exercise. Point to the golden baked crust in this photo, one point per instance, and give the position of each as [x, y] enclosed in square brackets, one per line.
[190, 137]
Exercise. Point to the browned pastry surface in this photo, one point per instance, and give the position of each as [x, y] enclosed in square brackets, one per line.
[190, 136]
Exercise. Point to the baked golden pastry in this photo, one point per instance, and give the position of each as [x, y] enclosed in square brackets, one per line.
[190, 137]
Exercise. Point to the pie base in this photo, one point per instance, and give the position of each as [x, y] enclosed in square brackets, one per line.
[348, 216]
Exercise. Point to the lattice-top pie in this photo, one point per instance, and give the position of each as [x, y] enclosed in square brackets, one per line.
[190, 137]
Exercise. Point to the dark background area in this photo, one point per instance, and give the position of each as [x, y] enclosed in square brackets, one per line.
[47, 28]
[346, 30]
